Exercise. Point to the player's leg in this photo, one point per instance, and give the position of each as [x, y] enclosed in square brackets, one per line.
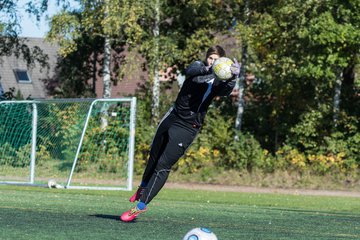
[159, 142]
[179, 140]
[157, 147]
[180, 137]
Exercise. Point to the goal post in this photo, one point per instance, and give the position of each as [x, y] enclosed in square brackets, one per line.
[18, 119]
[104, 110]
[81, 143]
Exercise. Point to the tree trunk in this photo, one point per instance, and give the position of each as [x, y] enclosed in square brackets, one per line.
[156, 80]
[337, 95]
[94, 71]
[240, 84]
[106, 81]
[106, 69]
[241, 87]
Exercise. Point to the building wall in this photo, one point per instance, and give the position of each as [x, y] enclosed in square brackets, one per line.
[34, 89]
[133, 78]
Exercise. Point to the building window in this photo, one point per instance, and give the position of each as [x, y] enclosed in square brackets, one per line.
[22, 76]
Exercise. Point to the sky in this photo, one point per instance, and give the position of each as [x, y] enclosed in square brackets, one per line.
[28, 23]
[30, 28]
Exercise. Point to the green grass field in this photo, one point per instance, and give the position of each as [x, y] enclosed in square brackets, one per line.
[40, 213]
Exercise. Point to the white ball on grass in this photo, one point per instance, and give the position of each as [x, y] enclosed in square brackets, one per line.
[52, 183]
[200, 234]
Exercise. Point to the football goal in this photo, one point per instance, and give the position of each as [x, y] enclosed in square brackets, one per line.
[79, 143]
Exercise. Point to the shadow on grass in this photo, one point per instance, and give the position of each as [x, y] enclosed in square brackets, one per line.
[111, 217]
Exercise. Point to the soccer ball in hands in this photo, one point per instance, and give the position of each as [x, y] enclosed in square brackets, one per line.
[222, 68]
[200, 234]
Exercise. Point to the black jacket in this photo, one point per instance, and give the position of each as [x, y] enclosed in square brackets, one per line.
[199, 89]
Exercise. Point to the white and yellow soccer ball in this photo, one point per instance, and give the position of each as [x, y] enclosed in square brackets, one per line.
[222, 68]
[200, 234]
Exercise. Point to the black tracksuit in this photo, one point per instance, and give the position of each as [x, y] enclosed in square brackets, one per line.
[180, 125]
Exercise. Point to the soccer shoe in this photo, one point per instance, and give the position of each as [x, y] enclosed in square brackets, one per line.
[130, 215]
[137, 194]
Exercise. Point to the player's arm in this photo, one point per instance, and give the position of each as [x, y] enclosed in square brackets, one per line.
[226, 87]
[196, 68]
[199, 73]
[203, 78]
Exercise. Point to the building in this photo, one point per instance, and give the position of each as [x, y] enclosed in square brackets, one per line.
[14, 72]
[30, 81]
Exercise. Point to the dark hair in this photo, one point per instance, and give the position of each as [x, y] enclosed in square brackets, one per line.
[218, 50]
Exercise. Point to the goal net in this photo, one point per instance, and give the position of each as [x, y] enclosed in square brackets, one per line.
[80, 143]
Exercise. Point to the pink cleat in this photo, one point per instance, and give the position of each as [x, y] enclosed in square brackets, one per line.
[137, 194]
[130, 215]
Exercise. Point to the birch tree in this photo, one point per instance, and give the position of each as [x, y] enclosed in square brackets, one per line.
[156, 81]
[107, 56]
[113, 21]
[240, 82]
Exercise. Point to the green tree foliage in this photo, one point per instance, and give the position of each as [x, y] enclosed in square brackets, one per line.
[193, 25]
[82, 32]
[297, 51]
[300, 49]
[187, 28]
[117, 20]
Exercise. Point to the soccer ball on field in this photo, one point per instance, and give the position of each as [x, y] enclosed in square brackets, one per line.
[222, 68]
[200, 234]
[53, 184]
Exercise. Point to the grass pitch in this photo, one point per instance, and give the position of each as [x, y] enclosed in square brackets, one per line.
[40, 213]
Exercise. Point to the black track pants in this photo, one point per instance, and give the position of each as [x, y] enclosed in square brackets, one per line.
[172, 138]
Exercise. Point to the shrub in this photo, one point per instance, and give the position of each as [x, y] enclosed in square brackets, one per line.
[216, 147]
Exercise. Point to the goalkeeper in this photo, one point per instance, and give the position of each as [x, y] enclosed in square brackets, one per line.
[180, 125]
